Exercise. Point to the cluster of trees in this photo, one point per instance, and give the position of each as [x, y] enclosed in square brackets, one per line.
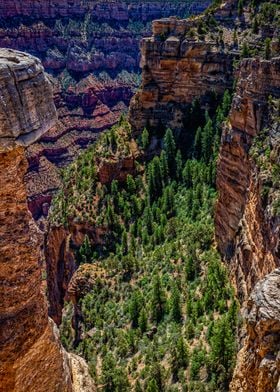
[168, 296]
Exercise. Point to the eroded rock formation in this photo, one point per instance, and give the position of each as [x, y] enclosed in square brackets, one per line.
[31, 356]
[177, 69]
[258, 365]
[247, 228]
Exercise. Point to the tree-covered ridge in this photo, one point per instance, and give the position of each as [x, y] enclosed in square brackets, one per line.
[161, 316]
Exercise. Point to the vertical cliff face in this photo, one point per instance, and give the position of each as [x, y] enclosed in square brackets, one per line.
[177, 67]
[247, 218]
[247, 226]
[31, 356]
[258, 364]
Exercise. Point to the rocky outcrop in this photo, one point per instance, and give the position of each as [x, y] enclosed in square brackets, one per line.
[177, 68]
[31, 357]
[258, 364]
[247, 231]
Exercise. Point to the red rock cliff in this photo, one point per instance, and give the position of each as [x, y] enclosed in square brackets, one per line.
[31, 356]
[247, 228]
[176, 68]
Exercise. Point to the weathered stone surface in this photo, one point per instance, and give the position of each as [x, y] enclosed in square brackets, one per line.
[31, 356]
[26, 107]
[176, 69]
[258, 364]
[247, 235]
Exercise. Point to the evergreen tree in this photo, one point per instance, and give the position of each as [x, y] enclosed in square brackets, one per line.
[145, 138]
[130, 183]
[222, 345]
[207, 140]
[179, 357]
[179, 165]
[175, 305]
[187, 174]
[158, 300]
[197, 143]
[255, 25]
[135, 308]
[85, 251]
[245, 50]
[164, 167]
[170, 149]
[152, 386]
[143, 320]
[240, 7]
[124, 243]
[267, 52]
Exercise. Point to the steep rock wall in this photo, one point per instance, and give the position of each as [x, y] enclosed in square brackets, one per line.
[246, 230]
[258, 367]
[177, 69]
[31, 355]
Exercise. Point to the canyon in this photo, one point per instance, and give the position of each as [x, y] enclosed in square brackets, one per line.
[91, 50]
[177, 69]
[181, 62]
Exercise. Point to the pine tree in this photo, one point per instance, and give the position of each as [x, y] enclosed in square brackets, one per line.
[245, 50]
[179, 357]
[226, 102]
[207, 140]
[158, 300]
[179, 165]
[164, 167]
[130, 183]
[143, 320]
[170, 149]
[145, 138]
[152, 386]
[135, 308]
[187, 174]
[240, 7]
[255, 25]
[85, 251]
[175, 305]
[267, 52]
[197, 143]
[124, 243]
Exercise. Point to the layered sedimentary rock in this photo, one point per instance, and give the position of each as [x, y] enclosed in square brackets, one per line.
[31, 355]
[177, 68]
[258, 365]
[91, 48]
[247, 228]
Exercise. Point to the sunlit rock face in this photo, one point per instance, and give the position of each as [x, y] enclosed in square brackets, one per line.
[258, 363]
[27, 110]
[247, 227]
[31, 356]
